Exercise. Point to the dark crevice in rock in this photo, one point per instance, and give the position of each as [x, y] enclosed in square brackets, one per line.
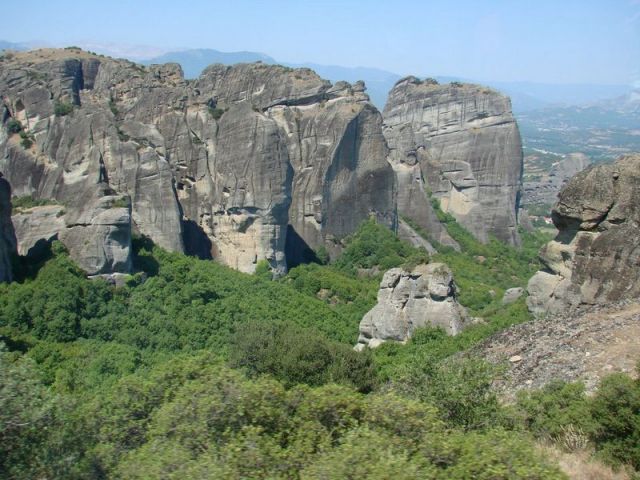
[196, 242]
[297, 251]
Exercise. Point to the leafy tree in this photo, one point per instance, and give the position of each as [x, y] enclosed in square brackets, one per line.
[295, 355]
[616, 410]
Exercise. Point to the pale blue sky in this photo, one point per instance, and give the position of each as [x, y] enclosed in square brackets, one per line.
[561, 41]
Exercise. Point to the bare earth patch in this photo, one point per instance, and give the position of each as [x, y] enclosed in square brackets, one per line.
[584, 345]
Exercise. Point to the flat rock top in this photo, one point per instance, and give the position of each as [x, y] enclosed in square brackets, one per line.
[47, 55]
[584, 346]
[411, 89]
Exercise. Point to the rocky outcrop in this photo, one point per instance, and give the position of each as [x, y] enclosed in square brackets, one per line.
[512, 295]
[423, 297]
[583, 345]
[460, 144]
[245, 163]
[97, 235]
[7, 234]
[544, 190]
[36, 228]
[595, 258]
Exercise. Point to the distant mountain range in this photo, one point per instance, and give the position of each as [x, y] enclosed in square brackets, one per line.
[196, 60]
[525, 96]
[4, 45]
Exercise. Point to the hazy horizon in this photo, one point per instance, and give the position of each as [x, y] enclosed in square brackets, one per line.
[587, 42]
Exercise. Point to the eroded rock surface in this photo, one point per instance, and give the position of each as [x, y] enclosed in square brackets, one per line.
[37, 227]
[545, 190]
[459, 143]
[97, 234]
[425, 296]
[595, 258]
[7, 234]
[245, 163]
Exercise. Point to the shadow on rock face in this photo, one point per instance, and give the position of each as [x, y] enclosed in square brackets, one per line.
[196, 241]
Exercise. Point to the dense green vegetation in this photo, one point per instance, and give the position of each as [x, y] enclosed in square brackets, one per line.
[27, 201]
[484, 271]
[193, 370]
[61, 109]
[609, 421]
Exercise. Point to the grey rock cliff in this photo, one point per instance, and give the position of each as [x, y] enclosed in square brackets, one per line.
[97, 234]
[545, 190]
[595, 257]
[7, 234]
[461, 144]
[37, 227]
[425, 296]
[246, 163]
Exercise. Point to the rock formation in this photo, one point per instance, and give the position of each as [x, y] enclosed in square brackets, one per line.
[595, 257]
[512, 295]
[7, 234]
[544, 191]
[37, 227]
[460, 144]
[425, 296]
[97, 234]
[244, 163]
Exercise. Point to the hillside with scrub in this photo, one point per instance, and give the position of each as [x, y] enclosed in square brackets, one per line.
[193, 370]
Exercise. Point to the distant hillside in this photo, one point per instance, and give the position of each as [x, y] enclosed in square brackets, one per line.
[627, 104]
[194, 61]
[4, 45]
[602, 132]
[525, 96]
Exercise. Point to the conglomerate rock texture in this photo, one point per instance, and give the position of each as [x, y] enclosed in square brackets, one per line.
[460, 144]
[407, 300]
[7, 233]
[245, 163]
[595, 258]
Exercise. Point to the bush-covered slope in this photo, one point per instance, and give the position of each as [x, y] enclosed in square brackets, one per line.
[198, 371]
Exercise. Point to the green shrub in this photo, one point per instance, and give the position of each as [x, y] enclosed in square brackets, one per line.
[296, 355]
[322, 254]
[459, 388]
[61, 109]
[121, 203]
[610, 420]
[615, 409]
[26, 140]
[27, 201]
[263, 270]
[216, 113]
[113, 107]
[14, 126]
[374, 245]
[549, 411]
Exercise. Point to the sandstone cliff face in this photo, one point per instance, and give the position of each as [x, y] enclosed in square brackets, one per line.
[7, 234]
[461, 143]
[596, 256]
[425, 296]
[226, 166]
